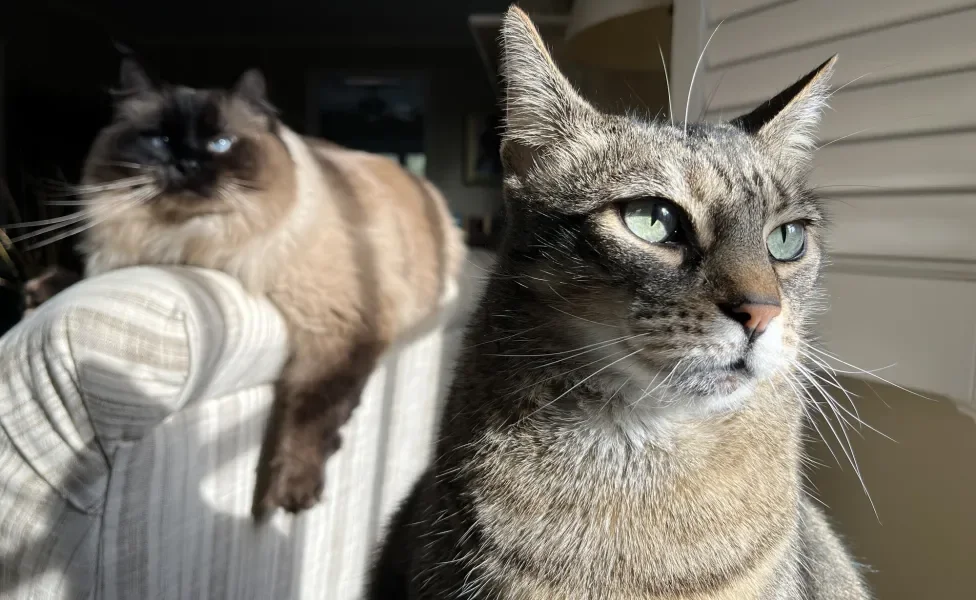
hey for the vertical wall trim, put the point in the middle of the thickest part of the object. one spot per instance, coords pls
(688, 29)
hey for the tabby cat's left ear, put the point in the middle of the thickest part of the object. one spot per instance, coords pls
(542, 108)
(786, 124)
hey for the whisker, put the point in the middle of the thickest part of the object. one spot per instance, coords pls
(667, 82)
(502, 339)
(849, 449)
(91, 222)
(91, 188)
(582, 381)
(72, 217)
(865, 372)
(695, 73)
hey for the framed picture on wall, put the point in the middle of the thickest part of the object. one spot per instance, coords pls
(482, 139)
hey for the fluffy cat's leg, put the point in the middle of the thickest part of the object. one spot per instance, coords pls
(313, 399)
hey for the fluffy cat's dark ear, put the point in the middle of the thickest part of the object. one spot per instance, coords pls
(787, 123)
(541, 105)
(251, 87)
(133, 78)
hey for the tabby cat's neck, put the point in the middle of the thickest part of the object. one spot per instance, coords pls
(590, 493)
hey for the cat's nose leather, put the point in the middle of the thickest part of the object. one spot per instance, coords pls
(189, 166)
(754, 316)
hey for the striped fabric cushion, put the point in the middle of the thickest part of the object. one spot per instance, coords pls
(131, 412)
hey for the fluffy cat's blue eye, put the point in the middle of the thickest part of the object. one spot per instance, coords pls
(787, 242)
(158, 141)
(220, 144)
(654, 221)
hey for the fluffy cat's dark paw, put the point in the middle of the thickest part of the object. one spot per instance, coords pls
(291, 483)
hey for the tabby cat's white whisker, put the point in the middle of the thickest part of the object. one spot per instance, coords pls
(568, 314)
(562, 374)
(865, 372)
(849, 449)
(584, 380)
(844, 137)
(806, 402)
(812, 378)
(667, 82)
(694, 73)
(565, 352)
(502, 339)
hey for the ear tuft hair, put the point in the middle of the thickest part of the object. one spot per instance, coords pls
(540, 103)
(787, 123)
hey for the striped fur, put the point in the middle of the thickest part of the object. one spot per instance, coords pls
(352, 249)
(613, 433)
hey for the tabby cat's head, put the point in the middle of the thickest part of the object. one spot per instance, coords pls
(184, 152)
(696, 247)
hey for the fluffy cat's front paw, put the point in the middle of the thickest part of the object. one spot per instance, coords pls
(292, 483)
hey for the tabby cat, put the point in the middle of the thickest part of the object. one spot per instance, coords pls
(352, 249)
(623, 423)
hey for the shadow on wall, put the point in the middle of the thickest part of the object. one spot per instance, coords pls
(924, 487)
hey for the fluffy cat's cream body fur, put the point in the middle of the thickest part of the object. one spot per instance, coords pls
(275, 257)
(355, 251)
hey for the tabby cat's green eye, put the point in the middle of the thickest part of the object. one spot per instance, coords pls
(787, 242)
(654, 221)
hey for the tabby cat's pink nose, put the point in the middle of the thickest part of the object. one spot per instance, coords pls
(753, 316)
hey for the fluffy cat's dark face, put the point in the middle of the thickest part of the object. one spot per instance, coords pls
(694, 251)
(191, 147)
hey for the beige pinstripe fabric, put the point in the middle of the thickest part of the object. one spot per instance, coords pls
(131, 413)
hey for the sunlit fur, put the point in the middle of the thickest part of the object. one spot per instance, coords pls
(353, 250)
(612, 432)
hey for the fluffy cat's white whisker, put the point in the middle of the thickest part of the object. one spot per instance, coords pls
(124, 164)
(72, 217)
(88, 224)
(117, 184)
(694, 73)
(114, 208)
(667, 82)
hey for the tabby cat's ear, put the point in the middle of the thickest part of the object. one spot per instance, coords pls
(541, 106)
(787, 123)
(133, 78)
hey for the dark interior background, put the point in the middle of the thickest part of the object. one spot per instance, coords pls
(59, 58)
